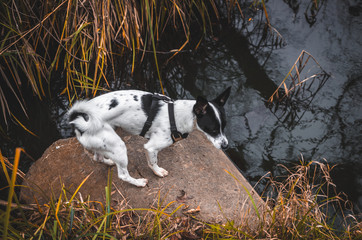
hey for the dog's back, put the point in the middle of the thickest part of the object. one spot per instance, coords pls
(127, 109)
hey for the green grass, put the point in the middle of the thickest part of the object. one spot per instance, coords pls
(300, 209)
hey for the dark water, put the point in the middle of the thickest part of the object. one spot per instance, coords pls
(327, 128)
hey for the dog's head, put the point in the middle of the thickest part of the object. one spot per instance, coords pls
(211, 118)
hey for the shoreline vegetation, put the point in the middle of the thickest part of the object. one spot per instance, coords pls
(84, 42)
(304, 205)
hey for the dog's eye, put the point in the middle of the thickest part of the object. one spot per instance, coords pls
(215, 132)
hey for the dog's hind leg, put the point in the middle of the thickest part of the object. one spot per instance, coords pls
(152, 157)
(118, 155)
(108, 161)
(123, 174)
(98, 157)
(121, 161)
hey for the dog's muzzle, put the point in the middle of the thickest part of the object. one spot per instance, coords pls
(224, 145)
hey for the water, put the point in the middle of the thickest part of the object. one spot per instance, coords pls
(328, 127)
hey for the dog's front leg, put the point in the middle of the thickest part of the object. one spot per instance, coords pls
(152, 157)
(152, 163)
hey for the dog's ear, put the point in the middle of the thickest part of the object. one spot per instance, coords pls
(223, 97)
(200, 106)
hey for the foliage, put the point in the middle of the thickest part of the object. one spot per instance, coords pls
(300, 209)
(305, 205)
(81, 40)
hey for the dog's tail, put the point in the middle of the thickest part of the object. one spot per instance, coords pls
(84, 118)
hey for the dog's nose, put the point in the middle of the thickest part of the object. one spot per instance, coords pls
(224, 145)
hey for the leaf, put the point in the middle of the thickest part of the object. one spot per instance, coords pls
(192, 211)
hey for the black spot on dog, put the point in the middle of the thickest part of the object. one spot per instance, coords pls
(113, 104)
(135, 98)
(146, 104)
(75, 115)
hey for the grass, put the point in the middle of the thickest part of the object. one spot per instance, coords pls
(299, 209)
(77, 44)
(83, 40)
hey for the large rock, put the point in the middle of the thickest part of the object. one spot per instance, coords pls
(196, 170)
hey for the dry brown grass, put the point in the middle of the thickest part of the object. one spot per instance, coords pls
(304, 206)
(81, 40)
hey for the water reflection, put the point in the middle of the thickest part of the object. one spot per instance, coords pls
(328, 126)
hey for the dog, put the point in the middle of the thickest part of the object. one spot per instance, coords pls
(94, 122)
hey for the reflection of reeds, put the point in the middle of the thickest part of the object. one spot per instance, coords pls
(81, 39)
(300, 209)
(312, 11)
(297, 90)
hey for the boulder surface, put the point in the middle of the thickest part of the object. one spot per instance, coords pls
(197, 177)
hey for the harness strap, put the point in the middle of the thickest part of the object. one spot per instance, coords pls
(175, 135)
(152, 114)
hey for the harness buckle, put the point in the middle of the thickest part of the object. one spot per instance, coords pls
(177, 136)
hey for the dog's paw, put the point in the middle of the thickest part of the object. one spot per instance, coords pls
(97, 157)
(161, 172)
(108, 161)
(141, 182)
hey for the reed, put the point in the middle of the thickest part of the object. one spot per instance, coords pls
(300, 208)
(303, 204)
(82, 40)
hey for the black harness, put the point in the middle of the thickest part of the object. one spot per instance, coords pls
(175, 135)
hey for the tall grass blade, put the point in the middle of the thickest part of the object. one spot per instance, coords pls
(57, 211)
(11, 189)
(108, 198)
(71, 219)
(150, 25)
(80, 185)
(25, 128)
